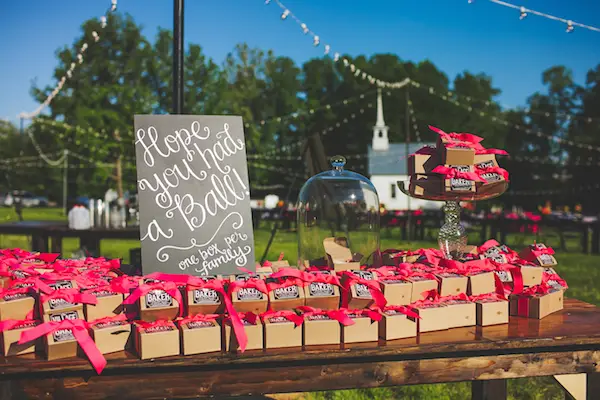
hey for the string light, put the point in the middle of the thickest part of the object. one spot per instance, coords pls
(556, 139)
(317, 41)
(69, 72)
(413, 118)
(525, 11)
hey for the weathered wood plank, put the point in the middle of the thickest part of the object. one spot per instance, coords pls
(162, 383)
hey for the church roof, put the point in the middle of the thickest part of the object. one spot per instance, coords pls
(393, 160)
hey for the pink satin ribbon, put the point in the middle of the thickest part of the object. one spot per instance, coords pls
(404, 310)
(168, 287)
(289, 315)
(373, 286)
(80, 332)
(106, 320)
(453, 136)
(70, 296)
(453, 173)
(493, 170)
(34, 282)
(198, 318)
(337, 315)
(10, 324)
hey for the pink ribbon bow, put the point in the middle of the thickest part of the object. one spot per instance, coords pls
(287, 314)
(10, 324)
(375, 315)
(80, 332)
(198, 318)
(453, 136)
(493, 170)
(70, 296)
(373, 286)
(337, 315)
(168, 287)
(488, 296)
(404, 310)
(453, 173)
(106, 320)
(34, 282)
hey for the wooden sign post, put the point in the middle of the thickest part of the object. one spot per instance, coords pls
(194, 194)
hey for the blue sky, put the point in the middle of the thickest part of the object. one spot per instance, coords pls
(455, 35)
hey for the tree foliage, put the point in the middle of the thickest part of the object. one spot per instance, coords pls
(282, 103)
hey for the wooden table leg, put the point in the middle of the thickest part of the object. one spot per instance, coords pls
(39, 242)
(56, 244)
(489, 390)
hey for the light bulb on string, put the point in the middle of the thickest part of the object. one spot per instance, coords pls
(523, 13)
(267, 2)
(113, 6)
(327, 49)
(304, 28)
(570, 26)
(285, 13)
(316, 41)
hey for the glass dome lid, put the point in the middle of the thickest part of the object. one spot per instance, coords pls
(337, 218)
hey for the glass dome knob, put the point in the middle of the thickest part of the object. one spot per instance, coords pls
(338, 162)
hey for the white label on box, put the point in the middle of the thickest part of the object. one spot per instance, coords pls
(200, 324)
(64, 315)
(103, 293)
(320, 289)
(56, 304)
(110, 324)
(546, 259)
(158, 298)
(61, 285)
(14, 296)
(362, 291)
(367, 275)
(460, 184)
(278, 320)
(549, 270)
(319, 317)
(63, 335)
(247, 294)
(158, 329)
(505, 276)
(205, 296)
(491, 177)
(284, 293)
(485, 164)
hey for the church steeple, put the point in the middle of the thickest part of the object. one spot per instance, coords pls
(380, 130)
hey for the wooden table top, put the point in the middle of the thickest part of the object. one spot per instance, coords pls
(575, 328)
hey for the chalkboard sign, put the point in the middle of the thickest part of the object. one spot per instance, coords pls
(194, 195)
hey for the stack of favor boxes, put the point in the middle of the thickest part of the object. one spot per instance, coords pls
(459, 164)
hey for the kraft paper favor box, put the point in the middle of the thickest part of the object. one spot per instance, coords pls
(532, 275)
(537, 306)
(253, 331)
(544, 257)
(277, 265)
(60, 344)
(485, 161)
(452, 284)
(421, 284)
(109, 304)
(320, 329)
(460, 184)
(481, 283)
(359, 295)
(51, 309)
(364, 329)
(17, 306)
(434, 317)
(494, 182)
(461, 313)
(496, 255)
(249, 299)
(198, 337)
(456, 155)
(396, 325)
(392, 259)
(156, 340)
(421, 185)
(10, 339)
(285, 298)
(398, 292)
(423, 161)
(280, 332)
(111, 336)
(204, 301)
(158, 305)
(322, 295)
(491, 312)
(339, 256)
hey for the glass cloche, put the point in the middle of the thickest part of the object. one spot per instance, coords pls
(337, 218)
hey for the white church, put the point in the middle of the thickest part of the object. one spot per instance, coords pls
(388, 165)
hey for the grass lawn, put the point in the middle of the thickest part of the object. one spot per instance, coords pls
(581, 271)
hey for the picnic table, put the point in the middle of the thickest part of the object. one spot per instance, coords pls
(565, 345)
(48, 235)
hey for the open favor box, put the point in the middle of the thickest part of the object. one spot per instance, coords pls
(339, 256)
